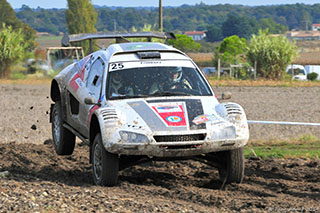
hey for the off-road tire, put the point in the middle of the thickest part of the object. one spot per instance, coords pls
(232, 166)
(63, 139)
(105, 165)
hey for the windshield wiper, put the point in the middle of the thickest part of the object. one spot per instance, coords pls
(170, 93)
(156, 94)
(129, 96)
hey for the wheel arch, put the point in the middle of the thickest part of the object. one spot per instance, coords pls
(55, 91)
(93, 131)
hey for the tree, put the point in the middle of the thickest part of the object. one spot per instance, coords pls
(184, 43)
(240, 26)
(12, 48)
(232, 49)
(179, 19)
(272, 26)
(272, 54)
(8, 17)
(81, 17)
(16, 39)
(214, 33)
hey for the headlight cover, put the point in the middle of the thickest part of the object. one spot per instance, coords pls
(224, 133)
(132, 137)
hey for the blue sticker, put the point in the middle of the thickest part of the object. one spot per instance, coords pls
(174, 119)
(102, 97)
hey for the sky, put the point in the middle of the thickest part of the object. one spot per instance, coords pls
(147, 3)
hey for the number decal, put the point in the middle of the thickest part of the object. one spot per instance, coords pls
(116, 66)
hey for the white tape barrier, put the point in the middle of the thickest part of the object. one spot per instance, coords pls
(284, 123)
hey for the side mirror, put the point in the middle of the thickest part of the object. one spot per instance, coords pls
(89, 101)
(226, 96)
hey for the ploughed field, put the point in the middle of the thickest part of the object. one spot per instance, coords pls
(39, 180)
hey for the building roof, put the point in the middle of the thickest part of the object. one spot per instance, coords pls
(305, 34)
(194, 32)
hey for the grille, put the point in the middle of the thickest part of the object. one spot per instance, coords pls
(233, 109)
(177, 138)
(109, 114)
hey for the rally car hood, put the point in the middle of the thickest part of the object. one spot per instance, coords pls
(169, 114)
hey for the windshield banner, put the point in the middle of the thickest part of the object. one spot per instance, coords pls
(114, 66)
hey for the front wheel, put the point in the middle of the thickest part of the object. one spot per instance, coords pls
(105, 165)
(232, 169)
(63, 139)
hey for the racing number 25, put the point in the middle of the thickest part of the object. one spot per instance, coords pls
(116, 66)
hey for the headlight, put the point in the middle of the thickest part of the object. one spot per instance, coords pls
(132, 137)
(224, 133)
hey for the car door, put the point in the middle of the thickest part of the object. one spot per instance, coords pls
(94, 86)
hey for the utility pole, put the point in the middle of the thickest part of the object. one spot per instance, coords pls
(160, 16)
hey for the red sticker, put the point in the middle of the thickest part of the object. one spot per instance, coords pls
(73, 83)
(172, 114)
(94, 108)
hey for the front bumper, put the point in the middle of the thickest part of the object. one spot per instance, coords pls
(176, 149)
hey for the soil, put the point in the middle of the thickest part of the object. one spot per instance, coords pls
(34, 179)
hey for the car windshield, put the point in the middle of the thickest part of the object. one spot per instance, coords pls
(296, 71)
(156, 82)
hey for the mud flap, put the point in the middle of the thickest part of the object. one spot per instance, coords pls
(51, 109)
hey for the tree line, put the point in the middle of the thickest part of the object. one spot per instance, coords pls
(217, 19)
(270, 54)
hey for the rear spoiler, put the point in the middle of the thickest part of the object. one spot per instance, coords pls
(67, 40)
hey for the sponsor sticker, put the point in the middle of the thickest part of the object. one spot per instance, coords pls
(174, 119)
(79, 82)
(172, 114)
(205, 118)
(168, 108)
(200, 119)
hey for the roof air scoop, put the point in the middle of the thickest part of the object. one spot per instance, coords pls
(149, 55)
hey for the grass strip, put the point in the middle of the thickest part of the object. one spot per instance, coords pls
(306, 146)
(261, 83)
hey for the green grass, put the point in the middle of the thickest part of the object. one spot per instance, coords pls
(48, 41)
(48, 38)
(17, 76)
(307, 146)
(226, 81)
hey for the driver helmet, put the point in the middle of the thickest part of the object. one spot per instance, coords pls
(116, 79)
(176, 74)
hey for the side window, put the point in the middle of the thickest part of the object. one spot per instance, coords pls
(95, 79)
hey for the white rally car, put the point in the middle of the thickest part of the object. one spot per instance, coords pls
(135, 101)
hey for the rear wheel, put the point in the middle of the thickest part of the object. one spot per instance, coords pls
(105, 165)
(63, 139)
(232, 169)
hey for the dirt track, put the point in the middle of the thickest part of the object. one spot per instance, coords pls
(39, 180)
(23, 106)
